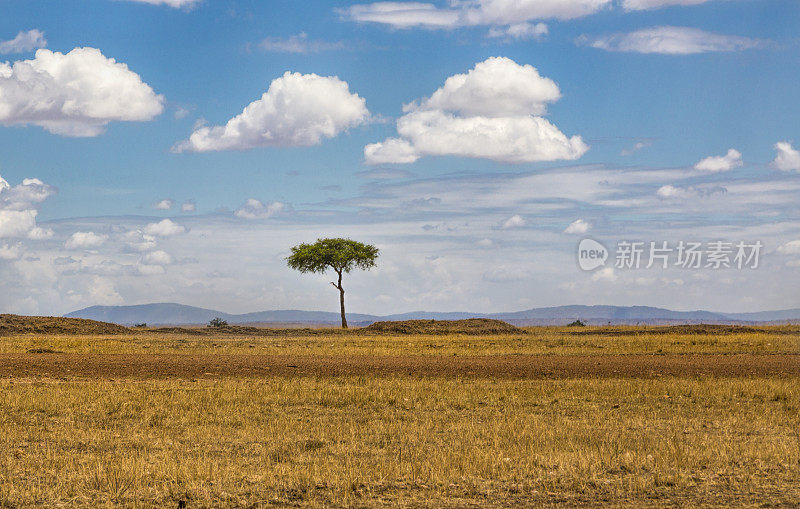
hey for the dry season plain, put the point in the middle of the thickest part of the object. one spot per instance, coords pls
(542, 416)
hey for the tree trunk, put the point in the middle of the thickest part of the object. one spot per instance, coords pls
(341, 302)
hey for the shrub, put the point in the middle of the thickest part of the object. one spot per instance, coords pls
(576, 323)
(218, 322)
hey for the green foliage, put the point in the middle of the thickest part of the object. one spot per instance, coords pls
(218, 322)
(341, 255)
(576, 323)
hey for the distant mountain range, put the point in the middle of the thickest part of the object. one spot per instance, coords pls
(179, 314)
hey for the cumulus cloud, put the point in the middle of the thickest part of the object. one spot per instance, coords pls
(74, 94)
(515, 221)
(671, 40)
(164, 204)
(299, 43)
(790, 248)
(157, 258)
(520, 31)
(163, 228)
(10, 252)
(85, 240)
(470, 13)
(492, 112)
(641, 5)
(24, 42)
(786, 158)
(18, 208)
(731, 160)
(189, 206)
(178, 4)
(255, 209)
(578, 226)
(298, 110)
(138, 241)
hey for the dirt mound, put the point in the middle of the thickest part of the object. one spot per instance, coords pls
(15, 324)
(472, 326)
(706, 329)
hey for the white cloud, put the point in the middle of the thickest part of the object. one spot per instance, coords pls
(163, 228)
(790, 248)
(485, 243)
(491, 112)
(578, 226)
(254, 209)
(76, 94)
(403, 14)
(40, 233)
(10, 252)
(515, 221)
(18, 208)
(496, 87)
(787, 158)
(85, 240)
(639, 145)
(671, 40)
(150, 270)
(189, 206)
(520, 31)
(178, 4)
(24, 42)
(299, 43)
(298, 110)
(470, 13)
(605, 274)
(157, 258)
(670, 191)
(164, 204)
(17, 223)
(138, 241)
(731, 160)
(641, 5)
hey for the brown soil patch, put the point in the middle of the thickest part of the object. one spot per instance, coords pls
(242, 330)
(15, 324)
(144, 366)
(472, 326)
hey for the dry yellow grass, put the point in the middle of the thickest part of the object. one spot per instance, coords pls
(344, 442)
(396, 440)
(549, 340)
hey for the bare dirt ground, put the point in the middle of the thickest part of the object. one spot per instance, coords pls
(160, 366)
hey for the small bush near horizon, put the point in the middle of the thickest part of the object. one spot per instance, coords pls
(217, 322)
(576, 323)
(140, 325)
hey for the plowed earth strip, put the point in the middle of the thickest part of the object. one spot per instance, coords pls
(148, 366)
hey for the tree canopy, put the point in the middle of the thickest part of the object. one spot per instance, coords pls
(341, 255)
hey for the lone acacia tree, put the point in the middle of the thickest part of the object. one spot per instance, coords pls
(341, 255)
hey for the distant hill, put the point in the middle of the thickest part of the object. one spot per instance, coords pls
(179, 314)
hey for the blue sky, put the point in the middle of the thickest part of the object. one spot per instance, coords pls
(645, 91)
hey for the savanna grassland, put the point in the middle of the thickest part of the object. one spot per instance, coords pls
(549, 416)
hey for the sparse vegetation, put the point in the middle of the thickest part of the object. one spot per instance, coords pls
(576, 323)
(217, 323)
